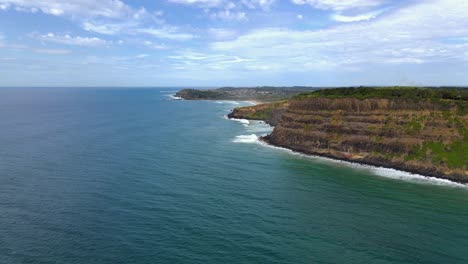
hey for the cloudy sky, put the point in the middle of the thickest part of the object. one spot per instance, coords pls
(226, 42)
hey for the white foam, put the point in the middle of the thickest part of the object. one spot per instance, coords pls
(242, 121)
(246, 139)
(262, 127)
(173, 97)
(176, 97)
(259, 127)
(378, 171)
(402, 175)
(228, 102)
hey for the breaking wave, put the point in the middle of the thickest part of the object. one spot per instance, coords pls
(378, 171)
(228, 102)
(244, 122)
(173, 97)
(246, 139)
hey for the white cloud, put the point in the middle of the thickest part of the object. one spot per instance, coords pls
(210, 61)
(356, 18)
(229, 15)
(104, 28)
(70, 40)
(200, 3)
(357, 8)
(414, 34)
(166, 33)
(226, 9)
(339, 5)
(76, 8)
(222, 33)
(108, 17)
(254, 4)
(226, 4)
(152, 45)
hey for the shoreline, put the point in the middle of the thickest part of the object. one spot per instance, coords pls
(263, 140)
(413, 173)
(420, 173)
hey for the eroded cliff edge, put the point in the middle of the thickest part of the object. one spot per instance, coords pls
(416, 130)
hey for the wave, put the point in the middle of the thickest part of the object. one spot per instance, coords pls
(259, 129)
(378, 171)
(228, 102)
(254, 126)
(259, 126)
(173, 97)
(246, 139)
(242, 121)
(403, 175)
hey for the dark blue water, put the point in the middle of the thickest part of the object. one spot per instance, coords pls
(127, 176)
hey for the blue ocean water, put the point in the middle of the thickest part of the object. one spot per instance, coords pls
(107, 175)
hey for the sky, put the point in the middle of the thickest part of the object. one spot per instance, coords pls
(233, 43)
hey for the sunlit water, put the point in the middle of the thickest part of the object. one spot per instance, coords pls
(128, 176)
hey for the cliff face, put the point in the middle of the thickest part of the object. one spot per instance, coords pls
(421, 136)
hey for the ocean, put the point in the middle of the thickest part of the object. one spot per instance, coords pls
(126, 175)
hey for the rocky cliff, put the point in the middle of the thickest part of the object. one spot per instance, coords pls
(420, 132)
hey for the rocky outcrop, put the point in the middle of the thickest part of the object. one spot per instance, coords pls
(270, 113)
(419, 135)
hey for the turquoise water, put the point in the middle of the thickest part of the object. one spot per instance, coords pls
(128, 176)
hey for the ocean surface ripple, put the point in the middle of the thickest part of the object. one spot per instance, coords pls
(107, 175)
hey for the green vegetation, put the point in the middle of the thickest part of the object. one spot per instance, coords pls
(453, 154)
(459, 94)
(257, 115)
(269, 94)
(414, 126)
(415, 129)
(261, 114)
(204, 94)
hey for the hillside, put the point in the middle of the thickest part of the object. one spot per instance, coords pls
(413, 129)
(264, 94)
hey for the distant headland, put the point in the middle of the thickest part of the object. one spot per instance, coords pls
(261, 94)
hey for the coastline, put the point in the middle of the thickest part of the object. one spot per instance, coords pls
(412, 173)
(264, 113)
(415, 173)
(255, 102)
